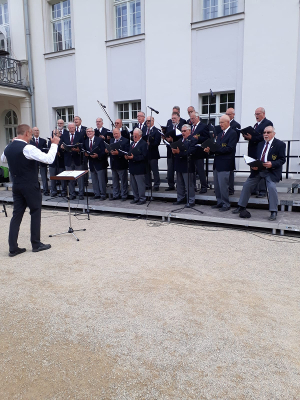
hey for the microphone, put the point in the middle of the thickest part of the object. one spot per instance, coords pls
(102, 105)
(157, 112)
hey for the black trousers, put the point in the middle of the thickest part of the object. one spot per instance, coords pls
(26, 195)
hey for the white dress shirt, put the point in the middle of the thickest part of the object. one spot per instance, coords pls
(33, 153)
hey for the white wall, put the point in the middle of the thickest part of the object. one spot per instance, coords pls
(270, 59)
(17, 29)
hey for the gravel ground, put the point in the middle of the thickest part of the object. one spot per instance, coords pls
(147, 310)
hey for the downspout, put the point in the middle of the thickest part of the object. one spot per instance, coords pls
(28, 48)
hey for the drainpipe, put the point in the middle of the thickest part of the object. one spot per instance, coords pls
(28, 48)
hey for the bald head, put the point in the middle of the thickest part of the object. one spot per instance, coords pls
(224, 122)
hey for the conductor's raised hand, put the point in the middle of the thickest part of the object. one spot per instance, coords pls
(55, 139)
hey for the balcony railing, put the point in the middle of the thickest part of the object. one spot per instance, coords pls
(12, 73)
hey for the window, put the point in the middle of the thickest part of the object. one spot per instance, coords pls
(10, 125)
(218, 106)
(128, 18)
(4, 27)
(61, 25)
(219, 8)
(128, 112)
(65, 113)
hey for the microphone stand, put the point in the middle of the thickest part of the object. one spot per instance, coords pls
(105, 112)
(188, 190)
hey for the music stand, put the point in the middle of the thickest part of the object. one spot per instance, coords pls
(69, 176)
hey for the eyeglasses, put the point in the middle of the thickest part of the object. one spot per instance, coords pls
(258, 113)
(268, 131)
(184, 130)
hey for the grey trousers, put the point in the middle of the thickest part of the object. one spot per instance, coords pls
(138, 186)
(251, 183)
(182, 184)
(55, 171)
(99, 182)
(80, 180)
(117, 176)
(171, 172)
(199, 164)
(221, 181)
(152, 165)
(43, 172)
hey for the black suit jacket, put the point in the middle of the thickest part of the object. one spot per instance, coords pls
(225, 155)
(258, 137)
(171, 132)
(96, 164)
(137, 166)
(72, 157)
(154, 139)
(276, 155)
(42, 145)
(118, 162)
(180, 159)
(181, 121)
(201, 133)
(104, 132)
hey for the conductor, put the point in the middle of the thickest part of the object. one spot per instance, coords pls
(23, 159)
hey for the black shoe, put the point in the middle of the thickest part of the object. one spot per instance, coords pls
(196, 189)
(260, 195)
(156, 189)
(238, 210)
(203, 190)
(95, 198)
(72, 197)
(169, 189)
(42, 247)
(16, 252)
(63, 195)
(273, 216)
(81, 197)
(102, 198)
(114, 198)
(46, 194)
(176, 203)
(217, 206)
(54, 194)
(231, 193)
(139, 203)
(224, 208)
(124, 199)
(134, 201)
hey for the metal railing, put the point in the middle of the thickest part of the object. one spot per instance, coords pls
(11, 73)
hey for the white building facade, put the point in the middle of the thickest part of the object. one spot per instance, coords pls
(130, 54)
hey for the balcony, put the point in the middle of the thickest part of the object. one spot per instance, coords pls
(13, 73)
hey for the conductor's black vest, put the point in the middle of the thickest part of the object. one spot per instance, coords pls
(22, 170)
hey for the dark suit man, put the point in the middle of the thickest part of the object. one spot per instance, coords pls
(102, 132)
(22, 159)
(119, 166)
(172, 136)
(272, 153)
(152, 136)
(57, 167)
(137, 167)
(185, 168)
(236, 126)
(73, 160)
(190, 110)
(201, 132)
(124, 132)
(261, 123)
(41, 144)
(176, 109)
(224, 162)
(97, 162)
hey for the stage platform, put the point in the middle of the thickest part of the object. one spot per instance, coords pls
(288, 219)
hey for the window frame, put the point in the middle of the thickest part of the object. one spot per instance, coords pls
(220, 9)
(67, 118)
(13, 126)
(5, 28)
(131, 120)
(61, 19)
(218, 113)
(130, 28)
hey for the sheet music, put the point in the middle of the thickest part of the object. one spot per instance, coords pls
(73, 174)
(248, 159)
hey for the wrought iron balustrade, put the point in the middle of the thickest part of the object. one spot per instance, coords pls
(11, 73)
